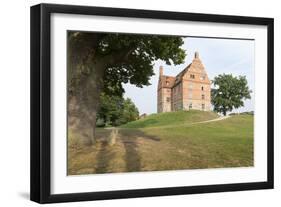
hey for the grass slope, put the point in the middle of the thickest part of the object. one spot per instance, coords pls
(224, 143)
(171, 119)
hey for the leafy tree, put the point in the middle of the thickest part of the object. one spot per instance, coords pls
(130, 112)
(115, 110)
(229, 92)
(111, 108)
(101, 62)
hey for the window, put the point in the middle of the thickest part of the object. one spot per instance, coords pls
(192, 76)
(190, 106)
(203, 96)
(202, 88)
(168, 99)
(203, 106)
(167, 83)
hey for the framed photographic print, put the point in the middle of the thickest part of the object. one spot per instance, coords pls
(133, 103)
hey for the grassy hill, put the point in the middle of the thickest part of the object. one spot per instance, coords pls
(224, 143)
(172, 119)
(174, 142)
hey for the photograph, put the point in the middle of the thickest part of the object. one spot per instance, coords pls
(129, 103)
(152, 102)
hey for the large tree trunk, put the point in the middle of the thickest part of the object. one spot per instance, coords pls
(85, 84)
(84, 105)
(83, 123)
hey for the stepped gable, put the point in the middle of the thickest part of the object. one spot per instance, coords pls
(196, 64)
(189, 89)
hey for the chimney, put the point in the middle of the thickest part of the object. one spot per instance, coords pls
(196, 55)
(161, 71)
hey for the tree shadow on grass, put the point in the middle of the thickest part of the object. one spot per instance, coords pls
(129, 138)
(104, 156)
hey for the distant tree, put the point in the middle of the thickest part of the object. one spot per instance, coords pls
(101, 62)
(229, 92)
(115, 110)
(130, 112)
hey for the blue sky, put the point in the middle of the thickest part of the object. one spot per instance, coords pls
(230, 56)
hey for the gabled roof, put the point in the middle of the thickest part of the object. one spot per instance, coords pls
(181, 74)
(170, 81)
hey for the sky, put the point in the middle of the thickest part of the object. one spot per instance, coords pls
(229, 56)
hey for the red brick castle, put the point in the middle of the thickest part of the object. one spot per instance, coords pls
(190, 89)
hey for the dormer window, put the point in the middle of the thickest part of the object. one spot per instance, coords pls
(192, 76)
(167, 83)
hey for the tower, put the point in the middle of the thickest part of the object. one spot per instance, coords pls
(164, 91)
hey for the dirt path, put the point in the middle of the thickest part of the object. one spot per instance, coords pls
(212, 120)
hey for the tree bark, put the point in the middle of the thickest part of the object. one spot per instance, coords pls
(84, 104)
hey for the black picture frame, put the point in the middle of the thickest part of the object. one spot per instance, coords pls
(41, 99)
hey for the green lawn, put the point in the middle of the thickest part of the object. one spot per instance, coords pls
(225, 143)
(159, 146)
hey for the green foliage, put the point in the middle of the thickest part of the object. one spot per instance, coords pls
(115, 110)
(119, 58)
(229, 92)
(129, 113)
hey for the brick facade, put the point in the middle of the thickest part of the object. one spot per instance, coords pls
(190, 89)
